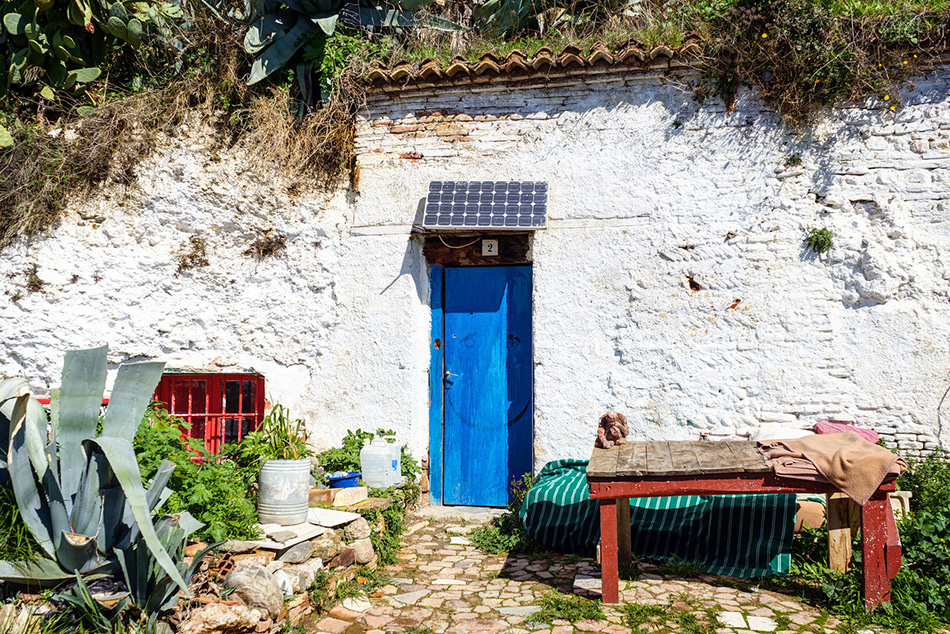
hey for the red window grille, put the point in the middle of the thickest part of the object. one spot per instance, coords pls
(221, 408)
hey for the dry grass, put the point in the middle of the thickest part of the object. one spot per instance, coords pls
(61, 157)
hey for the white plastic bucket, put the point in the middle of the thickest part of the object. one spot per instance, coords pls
(284, 494)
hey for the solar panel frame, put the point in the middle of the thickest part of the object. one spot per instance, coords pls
(497, 205)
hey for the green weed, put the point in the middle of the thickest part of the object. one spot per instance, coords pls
(18, 543)
(676, 567)
(506, 533)
(643, 618)
(919, 602)
(568, 607)
(366, 581)
(819, 240)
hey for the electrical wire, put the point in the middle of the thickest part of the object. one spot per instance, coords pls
(460, 246)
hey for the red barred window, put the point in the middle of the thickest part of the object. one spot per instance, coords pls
(221, 408)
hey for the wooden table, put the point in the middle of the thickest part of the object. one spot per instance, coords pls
(668, 468)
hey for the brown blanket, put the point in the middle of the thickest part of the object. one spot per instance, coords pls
(846, 460)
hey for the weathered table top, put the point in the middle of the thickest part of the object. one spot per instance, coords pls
(675, 458)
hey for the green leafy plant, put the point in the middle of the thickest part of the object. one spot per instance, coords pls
(276, 438)
(200, 480)
(928, 480)
(819, 240)
(347, 457)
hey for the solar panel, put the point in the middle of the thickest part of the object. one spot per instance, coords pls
(512, 205)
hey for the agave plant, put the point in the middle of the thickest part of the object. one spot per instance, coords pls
(80, 492)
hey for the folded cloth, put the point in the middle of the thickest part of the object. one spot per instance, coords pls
(855, 466)
(837, 427)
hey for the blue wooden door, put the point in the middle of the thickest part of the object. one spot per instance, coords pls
(487, 386)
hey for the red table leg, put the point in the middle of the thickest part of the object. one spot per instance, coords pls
(609, 571)
(877, 584)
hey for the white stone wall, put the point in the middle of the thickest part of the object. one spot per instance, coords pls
(649, 190)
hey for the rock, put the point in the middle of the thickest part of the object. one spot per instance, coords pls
(192, 549)
(345, 558)
(297, 554)
(261, 557)
(236, 546)
(370, 504)
(264, 626)
(327, 546)
(363, 551)
(257, 587)
(281, 536)
(358, 529)
(284, 582)
(274, 566)
(356, 604)
(302, 575)
(349, 496)
(218, 618)
(161, 627)
(320, 496)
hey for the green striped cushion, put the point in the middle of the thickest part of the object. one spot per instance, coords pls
(737, 535)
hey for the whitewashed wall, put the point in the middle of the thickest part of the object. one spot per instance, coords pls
(649, 189)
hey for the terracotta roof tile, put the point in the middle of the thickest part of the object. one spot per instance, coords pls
(458, 66)
(488, 63)
(661, 51)
(599, 52)
(517, 64)
(430, 69)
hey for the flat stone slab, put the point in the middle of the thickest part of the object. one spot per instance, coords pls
(370, 504)
(302, 533)
(409, 598)
(732, 619)
(587, 582)
(357, 604)
(761, 623)
(330, 518)
(521, 610)
(449, 582)
(459, 541)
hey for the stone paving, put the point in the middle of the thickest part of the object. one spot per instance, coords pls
(444, 585)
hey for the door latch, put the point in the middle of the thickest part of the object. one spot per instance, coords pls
(448, 374)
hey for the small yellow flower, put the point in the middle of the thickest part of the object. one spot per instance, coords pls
(887, 97)
(893, 107)
(915, 56)
(905, 61)
(765, 35)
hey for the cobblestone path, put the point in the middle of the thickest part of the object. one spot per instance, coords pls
(444, 585)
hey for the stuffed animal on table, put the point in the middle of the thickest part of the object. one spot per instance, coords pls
(612, 430)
